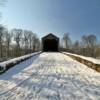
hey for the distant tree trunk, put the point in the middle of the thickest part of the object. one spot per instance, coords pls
(17, 33)
(1, 49)
(2, 29)
(67, 40)
(8, 45)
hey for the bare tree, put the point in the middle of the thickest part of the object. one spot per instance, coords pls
(2, 2)
(92, 44)
(25, 39)
(89, 43)
(35, 43)
(31, 35)
(89, 40)
(17, 42)
(97, 51)
(67, 40)
(17, 34)
(76, 47)
(92, 40)
(2, 29)
(8, 39)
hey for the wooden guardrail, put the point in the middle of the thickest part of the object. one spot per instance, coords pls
(85, 60)
(10, 63)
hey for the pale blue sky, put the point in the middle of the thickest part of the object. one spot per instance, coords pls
(78, 17)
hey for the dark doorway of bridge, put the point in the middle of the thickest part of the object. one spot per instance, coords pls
(50, 45)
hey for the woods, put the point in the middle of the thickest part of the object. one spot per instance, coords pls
(87, 46)
(17, 42)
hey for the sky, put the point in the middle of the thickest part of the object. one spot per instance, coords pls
(78, 17)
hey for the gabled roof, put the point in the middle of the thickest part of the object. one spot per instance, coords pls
(50, 36)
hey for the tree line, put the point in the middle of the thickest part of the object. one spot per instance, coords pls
(17, 42)
(87, 46)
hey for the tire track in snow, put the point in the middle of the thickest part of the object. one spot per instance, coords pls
(32, 74)
(55, 79)
(15, 88)
(83, 77)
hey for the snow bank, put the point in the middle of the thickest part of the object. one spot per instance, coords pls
(91, 62)
(8, 64)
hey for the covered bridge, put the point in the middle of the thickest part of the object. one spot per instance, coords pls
(50, 42)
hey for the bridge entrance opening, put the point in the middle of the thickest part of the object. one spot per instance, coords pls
(50, 43)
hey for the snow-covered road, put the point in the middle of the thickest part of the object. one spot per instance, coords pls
(50, 76)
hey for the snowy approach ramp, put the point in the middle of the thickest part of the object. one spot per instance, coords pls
(50, 76)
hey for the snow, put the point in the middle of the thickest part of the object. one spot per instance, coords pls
(4, 64)
(93, 60)
(50, 76)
